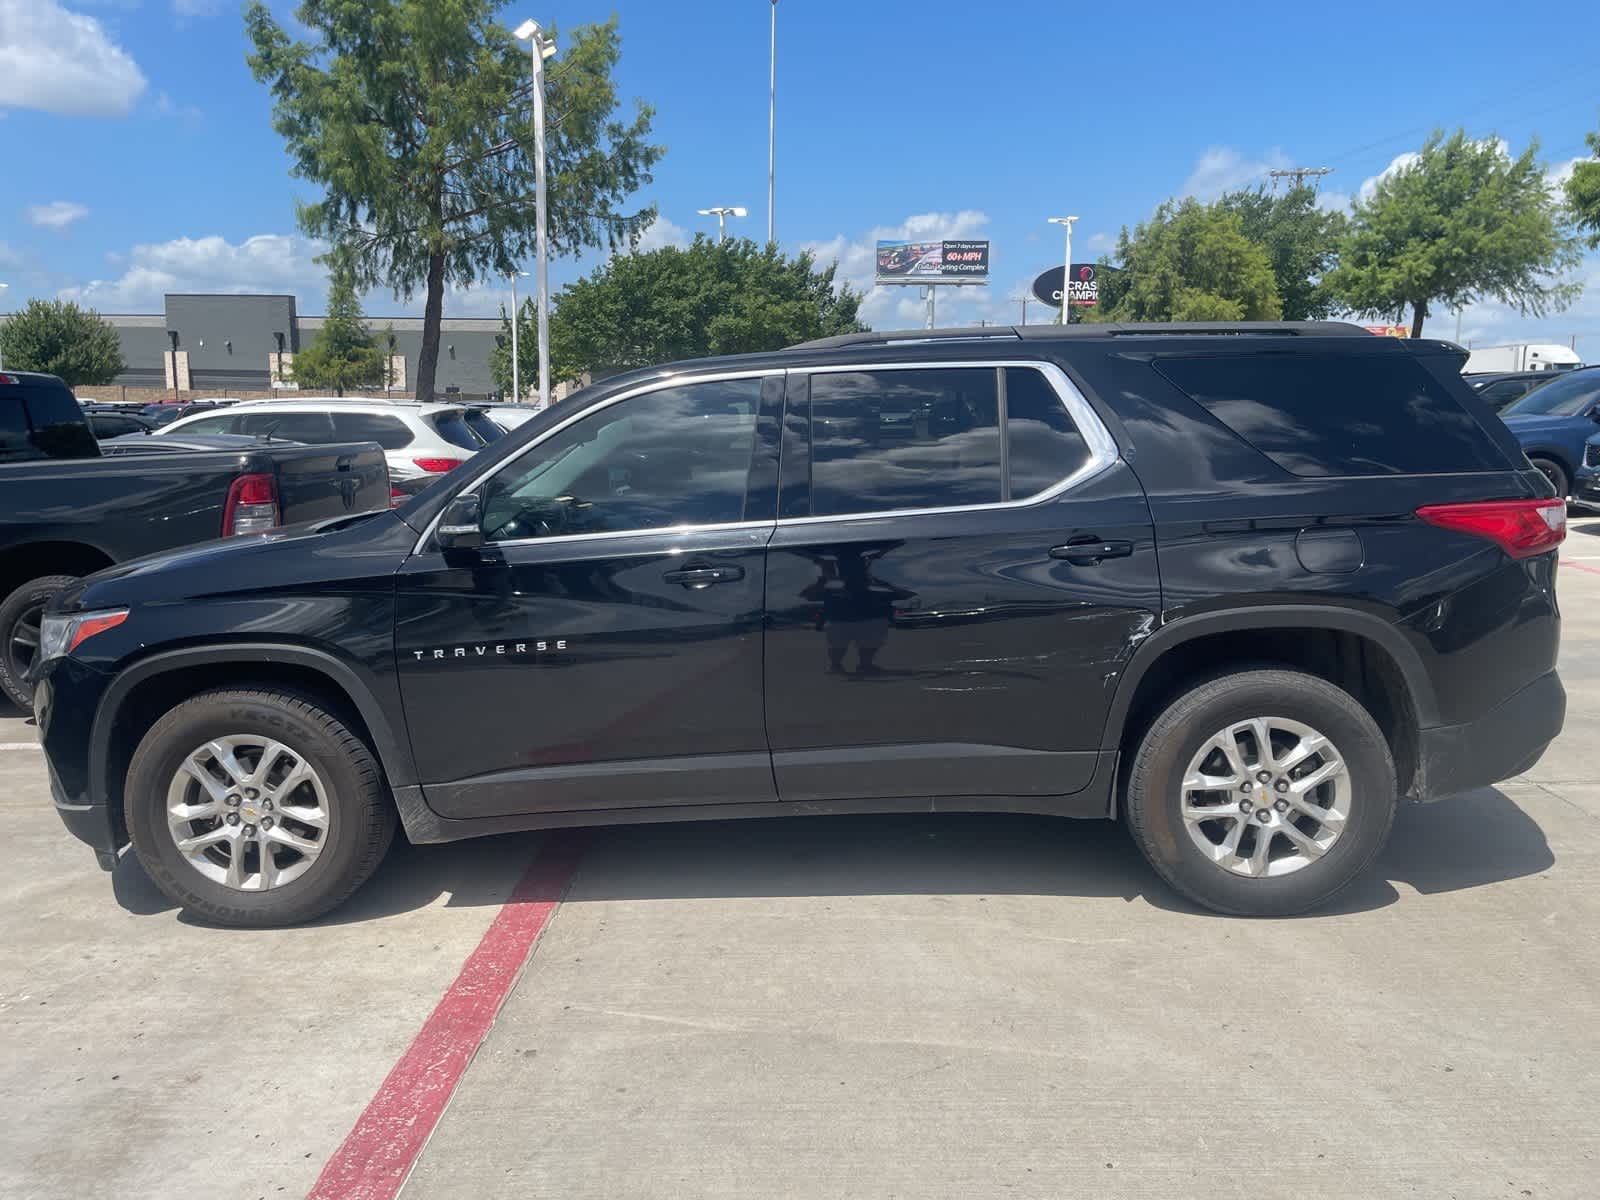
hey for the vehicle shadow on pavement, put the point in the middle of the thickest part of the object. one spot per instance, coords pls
(1466, 842)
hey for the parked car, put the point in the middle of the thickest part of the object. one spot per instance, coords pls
(168, 412)
(512, 416)
(67, 511)
(713, 590)
(420, 441)
(1553, 422)
(105, 424)
(1500, 390)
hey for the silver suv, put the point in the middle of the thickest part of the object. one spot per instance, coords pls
(420, 441)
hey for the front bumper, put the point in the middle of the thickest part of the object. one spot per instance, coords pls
(64, 702)
(1505, 741)
(1586, 485)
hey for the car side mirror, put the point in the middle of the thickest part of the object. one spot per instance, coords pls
(461, 524)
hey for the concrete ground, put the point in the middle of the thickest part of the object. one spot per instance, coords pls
(914, 1007)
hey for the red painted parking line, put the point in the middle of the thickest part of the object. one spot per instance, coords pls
(1578, 566)
(379, 1152)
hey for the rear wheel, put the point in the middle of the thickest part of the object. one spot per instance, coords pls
(1556, 474)
(1262, 793)
(19, 633)
(256, 808)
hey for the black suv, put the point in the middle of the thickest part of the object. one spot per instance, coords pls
(1245, 585)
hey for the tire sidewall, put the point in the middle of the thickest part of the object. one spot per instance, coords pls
(150, 775)
(35, 593)
(1204, 712)
(1547, 465)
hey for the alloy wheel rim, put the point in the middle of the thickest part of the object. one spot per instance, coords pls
(248, 812)
(25, 638)
(1266, 796)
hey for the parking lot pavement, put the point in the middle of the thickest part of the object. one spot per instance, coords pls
(147, 1056)
(918, 1007)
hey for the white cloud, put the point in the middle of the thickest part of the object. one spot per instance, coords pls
(1398, 163)
(63, 62)
(188, 114)
(268, 262)
(1556, 177)
(1224, 169)
(663, 232)
(1099, 243)
(58, 214)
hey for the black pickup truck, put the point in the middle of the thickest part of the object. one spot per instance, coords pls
(67, 511)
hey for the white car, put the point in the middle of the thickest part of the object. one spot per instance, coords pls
(509, 416)
(420, 441)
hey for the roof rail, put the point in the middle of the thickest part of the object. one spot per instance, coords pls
(1125, 329)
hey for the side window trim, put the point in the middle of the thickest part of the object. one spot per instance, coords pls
(425, 541)
(1102, 446)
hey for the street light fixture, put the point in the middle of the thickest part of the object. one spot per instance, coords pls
(516, 359)
(1066, 270)
(539, 49)
(722, 214)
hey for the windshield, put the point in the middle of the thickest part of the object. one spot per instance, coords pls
(1565, 397)
(453, 428)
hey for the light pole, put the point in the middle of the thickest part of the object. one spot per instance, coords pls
(1066, 270)
(539, 49)
(516, 359)
(772, 117)
(3, 287)
(722, 214)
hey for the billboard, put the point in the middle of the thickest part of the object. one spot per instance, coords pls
(1085, 285)
(933, 262)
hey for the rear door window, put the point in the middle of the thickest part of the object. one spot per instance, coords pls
(57, 425)
(311, 427)
(1566, 397)
(888, 440)
(210, 425)
(14, 441)
(389, 432)
(1338, 414)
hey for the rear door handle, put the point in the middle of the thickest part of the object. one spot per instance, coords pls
(696, 578)
(1090, 551)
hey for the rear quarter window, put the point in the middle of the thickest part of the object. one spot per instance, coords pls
(389, 432)
(1338, 414)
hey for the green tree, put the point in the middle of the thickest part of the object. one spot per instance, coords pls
(1463, 222)
(642, 309)
(59, 338)
(527, 350)
(344, 354)
(1301, 241)
(414, 117)
(1188, 262)
(1583, 193)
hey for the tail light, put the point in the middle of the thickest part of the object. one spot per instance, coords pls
(1521, 528)
(397, 496)
(252, 505)
(437, 466)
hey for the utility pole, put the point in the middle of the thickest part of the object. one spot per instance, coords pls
(1024, 300)
(772, 118)
(1299, 174)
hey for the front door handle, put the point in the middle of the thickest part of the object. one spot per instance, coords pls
(1088, 551)
(696, 578)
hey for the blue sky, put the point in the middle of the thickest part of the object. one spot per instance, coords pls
(140, 156)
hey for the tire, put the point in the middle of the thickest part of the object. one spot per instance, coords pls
(1556, 474)
(19, 633)
(1290, 879)
(344, 786)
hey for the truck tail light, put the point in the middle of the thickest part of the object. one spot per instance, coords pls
(252, 505)
(1521, 528)
(437, 466)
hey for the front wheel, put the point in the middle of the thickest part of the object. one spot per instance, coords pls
(256, 808)
(19, 634)
(1262, 793)
(1556, 474)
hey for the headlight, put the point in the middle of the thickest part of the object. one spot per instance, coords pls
(62, 633)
